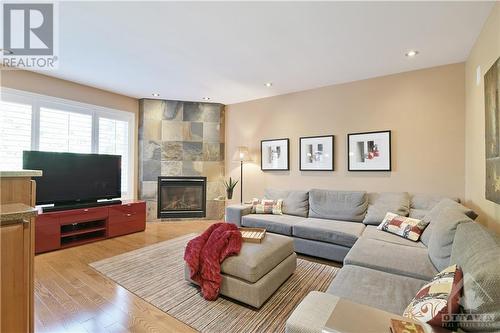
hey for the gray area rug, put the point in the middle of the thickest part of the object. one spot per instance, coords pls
(156, 274)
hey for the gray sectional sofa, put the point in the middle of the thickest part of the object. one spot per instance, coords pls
(380, 269)
(327, 224)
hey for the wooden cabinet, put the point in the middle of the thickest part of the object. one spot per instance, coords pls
(17, 218)
(16, 277)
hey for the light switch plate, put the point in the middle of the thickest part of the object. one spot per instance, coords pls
(478, 75)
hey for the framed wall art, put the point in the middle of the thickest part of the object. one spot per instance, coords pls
(275, 155)
(492, 133)
(369, 151)
(316, 153)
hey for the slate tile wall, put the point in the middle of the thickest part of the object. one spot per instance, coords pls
(181, 139)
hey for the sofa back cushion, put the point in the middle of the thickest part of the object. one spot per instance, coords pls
(294, 202)
(436, 211)
(477, 251)
(422, 203)
(443, 233)
(338, 205)
(379, 204)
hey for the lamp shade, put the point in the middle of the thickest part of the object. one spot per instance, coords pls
(242, 154)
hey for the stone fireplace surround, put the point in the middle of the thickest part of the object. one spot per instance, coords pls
(181, 139)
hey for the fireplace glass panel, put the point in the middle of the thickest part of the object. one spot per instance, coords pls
(182, 198)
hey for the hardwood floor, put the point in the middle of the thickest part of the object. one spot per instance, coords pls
(71, 297)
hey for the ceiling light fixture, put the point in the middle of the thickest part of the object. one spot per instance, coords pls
(206, 98)
(155, 95)
(411, 53)
(269, 84)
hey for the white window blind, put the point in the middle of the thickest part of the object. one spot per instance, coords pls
(15, 134)
(37, 122)
(113, 139)
(65, 131)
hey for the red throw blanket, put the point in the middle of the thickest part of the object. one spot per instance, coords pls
(205, 253)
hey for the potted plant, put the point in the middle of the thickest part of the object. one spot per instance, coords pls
(230, 185)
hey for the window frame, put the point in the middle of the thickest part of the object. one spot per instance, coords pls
(38, 101)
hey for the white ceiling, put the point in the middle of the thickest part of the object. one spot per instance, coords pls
(228, 50)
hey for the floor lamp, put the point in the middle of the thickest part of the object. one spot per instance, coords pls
(241, 155)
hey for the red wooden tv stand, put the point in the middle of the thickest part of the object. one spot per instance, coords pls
(62, 229)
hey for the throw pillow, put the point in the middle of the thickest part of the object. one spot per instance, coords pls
(437, 299)
(405, 227)
(267, 206)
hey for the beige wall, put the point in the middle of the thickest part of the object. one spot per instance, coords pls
(484, 53)
(424, 109)
(46, 85)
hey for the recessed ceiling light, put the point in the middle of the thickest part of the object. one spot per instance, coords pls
(206, 98)
(411, 53)
(269, 84)
(155, 95)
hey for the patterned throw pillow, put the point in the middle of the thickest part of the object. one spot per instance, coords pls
(438, 299)
(405, 227)
(267, 206)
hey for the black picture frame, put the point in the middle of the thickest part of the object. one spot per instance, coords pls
(350, 135)
(331, 154)
(287, 155)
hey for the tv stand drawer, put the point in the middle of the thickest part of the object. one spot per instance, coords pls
(127, 209)
(83, 215)
(127, 218)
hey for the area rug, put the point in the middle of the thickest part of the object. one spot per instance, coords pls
(156, 274)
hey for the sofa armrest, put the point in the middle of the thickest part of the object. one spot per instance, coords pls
(311, 315)
(326, 313)
(234, 213)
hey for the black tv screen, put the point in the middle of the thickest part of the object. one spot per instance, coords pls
(71, 177)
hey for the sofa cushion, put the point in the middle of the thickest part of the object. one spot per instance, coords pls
(380, 204)
(389, 292)
(443, 233)
(425, 201)
(372, 232)
(477, 251)
(436, 210)
(391, 258)
(338, 205)
(417, 213)
(279, 224)
(294, 202)
(256, 260)
(403, 226)
(330, 231)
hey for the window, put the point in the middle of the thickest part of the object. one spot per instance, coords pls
(113, 139)
(15, 134)
(36, 122)
(65, 131)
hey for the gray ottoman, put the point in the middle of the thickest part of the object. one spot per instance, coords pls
(258, 271)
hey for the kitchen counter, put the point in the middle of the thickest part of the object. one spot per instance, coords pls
(20, 173)
(16, 213)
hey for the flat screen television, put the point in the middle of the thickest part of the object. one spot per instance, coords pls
(70, 178)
